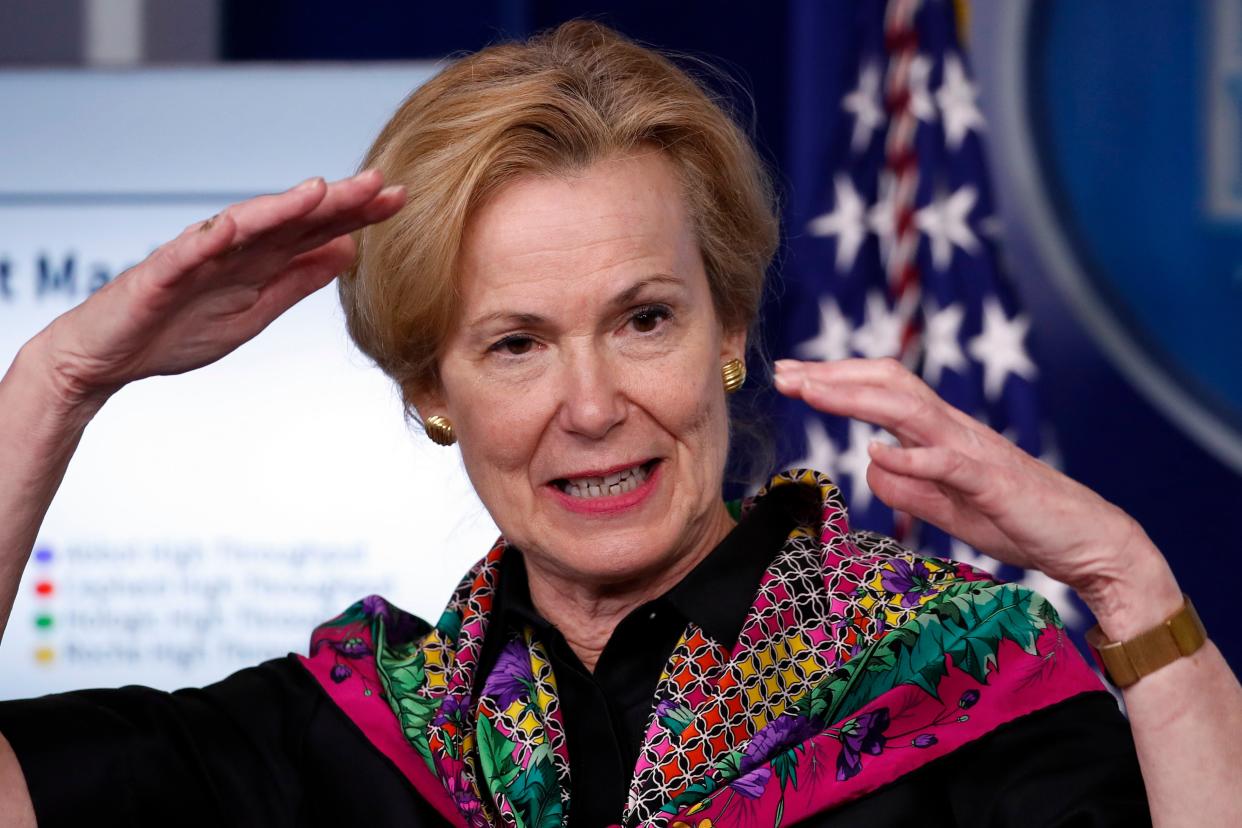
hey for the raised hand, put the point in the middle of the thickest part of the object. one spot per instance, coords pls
(215, 286)
(956, 473)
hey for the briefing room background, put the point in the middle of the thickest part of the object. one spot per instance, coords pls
(1110, 151)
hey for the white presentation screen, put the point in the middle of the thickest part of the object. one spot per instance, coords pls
(210, 520)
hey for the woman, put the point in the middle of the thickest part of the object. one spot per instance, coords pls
(562, 281)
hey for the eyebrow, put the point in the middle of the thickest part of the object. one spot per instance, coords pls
(625, 297)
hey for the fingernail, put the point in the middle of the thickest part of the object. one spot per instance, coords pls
(789, 366)
(392, 189)
(785, 381)
(308, 183)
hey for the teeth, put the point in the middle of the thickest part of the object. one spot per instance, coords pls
(611, 485)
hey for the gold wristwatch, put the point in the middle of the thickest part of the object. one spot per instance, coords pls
(1125, 662)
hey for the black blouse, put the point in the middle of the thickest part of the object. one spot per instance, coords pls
(267, 747)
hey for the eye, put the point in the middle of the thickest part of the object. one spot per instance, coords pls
(646, 320)
(515, 345)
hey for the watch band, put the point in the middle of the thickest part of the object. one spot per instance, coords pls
(1125, 662)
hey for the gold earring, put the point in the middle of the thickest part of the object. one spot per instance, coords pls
(440, 430)
(734, 374)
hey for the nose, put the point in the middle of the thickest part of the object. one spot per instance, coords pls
(591, 400)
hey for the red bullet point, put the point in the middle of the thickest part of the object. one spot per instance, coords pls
(44, 587)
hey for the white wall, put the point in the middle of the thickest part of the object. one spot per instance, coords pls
(209, 520)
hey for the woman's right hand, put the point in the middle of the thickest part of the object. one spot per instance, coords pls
(215, 286)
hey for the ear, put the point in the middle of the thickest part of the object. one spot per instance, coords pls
(426, 401)
(733, 346)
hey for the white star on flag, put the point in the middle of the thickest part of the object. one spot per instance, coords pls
(956, 97)
(945, 223)
(940, 339)
(921, 103)
(880, 335)
(833, 340)
(864, 103)
(855, 460)
(846, 222)
(999, 348)
(821, 454)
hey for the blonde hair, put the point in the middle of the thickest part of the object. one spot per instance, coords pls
(556, 103)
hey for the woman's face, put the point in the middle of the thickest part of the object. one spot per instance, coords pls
(582, 377)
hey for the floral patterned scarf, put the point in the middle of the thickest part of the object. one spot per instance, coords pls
(857, 663)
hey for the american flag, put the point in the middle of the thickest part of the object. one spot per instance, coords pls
(893, 240)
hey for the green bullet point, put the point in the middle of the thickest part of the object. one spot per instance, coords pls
(43, 622)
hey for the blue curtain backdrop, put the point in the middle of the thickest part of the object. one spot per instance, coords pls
(791, 59)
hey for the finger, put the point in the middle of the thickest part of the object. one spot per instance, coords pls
(257, 258)
(920, 498)
(883, 373)
(384, 205)
(883, 370)
(935, 464)
(198, 244)
(341, 199)
(306, 274)
(347, 194)
(348, 205)
(914, 420)
(879, 373)
(262, 214)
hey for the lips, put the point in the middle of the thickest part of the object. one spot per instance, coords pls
(616, 482)
(607, 492)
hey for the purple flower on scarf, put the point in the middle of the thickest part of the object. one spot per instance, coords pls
(781, 733)
(374, 605)
(910, 582)
(340, 672)
(924, 740)
(862, 734)
(399, 627)
(968, 699)
(468, 805)
(451, 709)
(511, 678)
(751, 785)
(353, 647)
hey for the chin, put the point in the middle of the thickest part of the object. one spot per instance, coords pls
(597, 554)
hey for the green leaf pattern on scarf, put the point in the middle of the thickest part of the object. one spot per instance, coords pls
(967, 621)
(401, 671)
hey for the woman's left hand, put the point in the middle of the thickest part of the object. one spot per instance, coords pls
(956, 473)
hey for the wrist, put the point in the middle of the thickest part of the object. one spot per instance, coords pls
(72, 395)
(62, 402)
(1137, 592)
(1126, 662)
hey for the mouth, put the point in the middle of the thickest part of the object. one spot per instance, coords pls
(611, 484)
